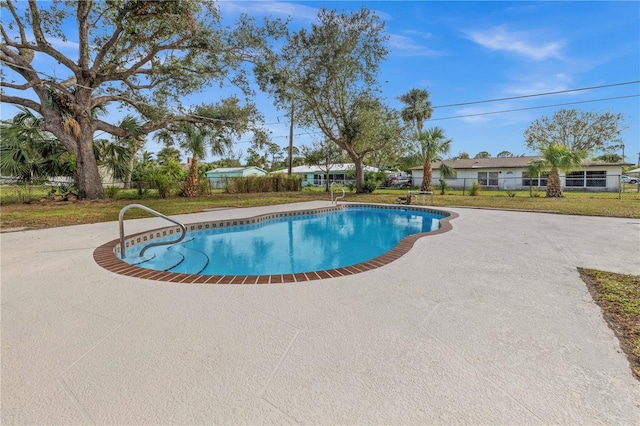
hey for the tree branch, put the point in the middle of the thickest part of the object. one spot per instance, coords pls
(27, 103)
(82, 14)
(101, 100)
(17, 64)
(42, 44)
(23, 35)
(105, 49)
(110, 128)
(25, 86)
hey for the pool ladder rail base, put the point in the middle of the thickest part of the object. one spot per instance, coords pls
(336, 185)
(183, 229)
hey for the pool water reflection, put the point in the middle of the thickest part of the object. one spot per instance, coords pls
(289, 245)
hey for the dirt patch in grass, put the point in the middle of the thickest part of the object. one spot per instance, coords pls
(619, 297)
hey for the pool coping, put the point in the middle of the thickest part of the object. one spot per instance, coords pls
(105, 255)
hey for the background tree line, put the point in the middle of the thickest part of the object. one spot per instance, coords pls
(146, 56)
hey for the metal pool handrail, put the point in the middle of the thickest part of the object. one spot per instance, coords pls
(155, 213)
(337, 198)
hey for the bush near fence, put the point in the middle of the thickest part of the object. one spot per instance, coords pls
(251, 184)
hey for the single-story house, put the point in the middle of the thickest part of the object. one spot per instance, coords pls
(634, 172)
(218, 177)
(508, 173)
(315, 175)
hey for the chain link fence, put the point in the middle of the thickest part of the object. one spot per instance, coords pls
(576, 181)
(13, 192)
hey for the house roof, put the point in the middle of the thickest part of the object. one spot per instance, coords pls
(334, 168)
(503, 163)
(234, 169)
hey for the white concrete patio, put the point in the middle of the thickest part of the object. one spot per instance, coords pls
(486, 324)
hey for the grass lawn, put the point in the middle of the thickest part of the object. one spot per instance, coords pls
(618, 295)
(47, 214)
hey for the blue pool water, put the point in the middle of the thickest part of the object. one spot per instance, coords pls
(288, 245)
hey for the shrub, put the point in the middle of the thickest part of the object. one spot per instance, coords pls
(164, 184)
(203, 186)
(369, 186)
(443, 187)
(475, 189)
(511, 193)
(111, 191)
(371, 181)
(277, 183)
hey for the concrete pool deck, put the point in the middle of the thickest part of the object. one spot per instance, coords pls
(488, 323)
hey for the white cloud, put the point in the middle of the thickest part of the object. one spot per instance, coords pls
(418, 33)
(474, 114)
(405, 46)
(535, 84)
(295, 11)
(518, 42)
(63, 44)
(496, 113)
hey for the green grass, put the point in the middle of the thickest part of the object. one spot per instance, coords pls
(52, 214)
(619, 297)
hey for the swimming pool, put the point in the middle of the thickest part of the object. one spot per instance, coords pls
(292, 246)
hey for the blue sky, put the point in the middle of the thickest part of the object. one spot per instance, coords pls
(473, 51)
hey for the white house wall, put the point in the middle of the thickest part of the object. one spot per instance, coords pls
(465, 178)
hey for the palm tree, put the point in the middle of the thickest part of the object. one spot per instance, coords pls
(28, 153)
(556, 157)
(417, 107)
(432, 145)
(194, 142)
(114, 156)
(134, 143)
(195, 139)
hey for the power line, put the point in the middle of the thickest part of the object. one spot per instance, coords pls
(480, 114)
(537, 94)
(535, 107)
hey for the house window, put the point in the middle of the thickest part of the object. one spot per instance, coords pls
(488, 178)
(574, 179)
(482, 178)
(596, 179)
(586, 179)
(541, 180)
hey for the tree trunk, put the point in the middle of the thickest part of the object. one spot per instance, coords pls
(191, 186)
(88, 177)
(127, 181)
(290, 164)
(359, 174)
(426, 175)
(554, 187)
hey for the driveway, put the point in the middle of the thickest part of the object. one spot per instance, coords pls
(488, 323)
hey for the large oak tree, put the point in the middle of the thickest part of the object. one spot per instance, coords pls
(142, 55)
(576, 130)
